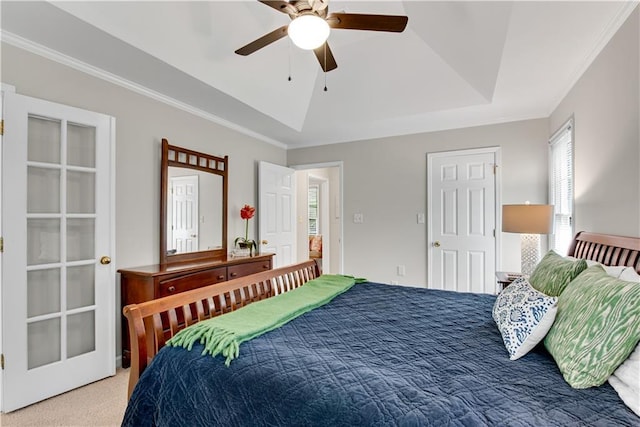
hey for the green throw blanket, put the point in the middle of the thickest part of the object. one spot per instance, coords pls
(224, 334)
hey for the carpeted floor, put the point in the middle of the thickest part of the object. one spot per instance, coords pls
(98, 404)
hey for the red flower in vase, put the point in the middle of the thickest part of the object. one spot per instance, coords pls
(247, 212)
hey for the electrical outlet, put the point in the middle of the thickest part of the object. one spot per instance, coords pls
(401, 270)
(358, 218)
(420, 218)
(394, 282)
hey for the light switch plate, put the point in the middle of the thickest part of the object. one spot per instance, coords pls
(358, 218)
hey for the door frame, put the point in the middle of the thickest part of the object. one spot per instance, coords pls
(339, 202)
(497, 152)
(5, 89)
(324, 223)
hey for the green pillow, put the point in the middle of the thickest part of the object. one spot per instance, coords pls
(554, 273)
(597, 326)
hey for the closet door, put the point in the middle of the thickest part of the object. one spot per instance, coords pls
(58, 282)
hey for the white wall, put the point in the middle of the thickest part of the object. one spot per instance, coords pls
(141, 123)
(606, 105)
(385, 179)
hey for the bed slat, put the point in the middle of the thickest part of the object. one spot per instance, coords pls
(607, 249)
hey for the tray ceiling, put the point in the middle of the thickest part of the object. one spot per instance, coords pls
(457, 64)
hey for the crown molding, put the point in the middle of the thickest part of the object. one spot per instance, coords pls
(53, 55)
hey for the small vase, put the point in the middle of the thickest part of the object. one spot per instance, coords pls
(243, 249)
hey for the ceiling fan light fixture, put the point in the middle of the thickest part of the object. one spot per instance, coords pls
(308, 31)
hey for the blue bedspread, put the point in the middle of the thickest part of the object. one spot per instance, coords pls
(377, 355)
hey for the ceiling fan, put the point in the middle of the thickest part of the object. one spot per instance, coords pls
(310, 19)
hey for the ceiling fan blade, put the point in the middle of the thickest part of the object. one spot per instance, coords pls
(356, 21)
(280, 6)
(325, 57)
(263, 41)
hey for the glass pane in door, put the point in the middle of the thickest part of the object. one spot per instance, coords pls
(80, 286)
(43, 241)
(81, 192)
(43, 190)
(81, 333)
(43, 341)
(81, 145)
(80, 239)
(43, 292)
(43, 140)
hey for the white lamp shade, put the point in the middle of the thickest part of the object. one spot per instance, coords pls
(529, 219)
(308, 31)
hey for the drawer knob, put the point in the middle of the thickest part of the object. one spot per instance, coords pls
(220, 277)
(171, 288)
(234, 274)
(266, 266)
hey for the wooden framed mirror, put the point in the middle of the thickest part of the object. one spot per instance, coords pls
(193, 205)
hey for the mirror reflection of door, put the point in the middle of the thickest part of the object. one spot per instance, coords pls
(183, 221)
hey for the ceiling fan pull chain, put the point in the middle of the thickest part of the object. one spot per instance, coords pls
(325, 66)
(289, 79)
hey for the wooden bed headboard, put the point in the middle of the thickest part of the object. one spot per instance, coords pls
(607, 249)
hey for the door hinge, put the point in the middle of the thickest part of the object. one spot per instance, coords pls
(495, 168)
(1, 127)
(2, 361)
(1, 244)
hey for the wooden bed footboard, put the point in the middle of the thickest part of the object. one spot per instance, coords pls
(152, 323)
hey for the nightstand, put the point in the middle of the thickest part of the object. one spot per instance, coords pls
(505, 278)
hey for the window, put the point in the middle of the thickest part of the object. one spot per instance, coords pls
(313, 209)
(561, 187)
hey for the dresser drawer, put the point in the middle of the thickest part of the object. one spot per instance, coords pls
(191, 281)
(235, 271)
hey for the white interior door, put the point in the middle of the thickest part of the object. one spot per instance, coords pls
(183, 221)
(277, 212)
(462, 221)
(58, 285)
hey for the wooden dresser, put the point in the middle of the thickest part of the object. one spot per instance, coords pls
(150, 282)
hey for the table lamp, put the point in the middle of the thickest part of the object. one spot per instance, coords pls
(530, 221)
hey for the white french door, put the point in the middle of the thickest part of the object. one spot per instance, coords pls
(276, 212)
(58, 282)
(462, 213)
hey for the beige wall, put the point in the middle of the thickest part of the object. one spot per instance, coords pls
(606, 105)
(385, 179)
(140, 124)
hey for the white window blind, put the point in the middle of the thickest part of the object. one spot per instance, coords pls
(313, 209)
(561, 187)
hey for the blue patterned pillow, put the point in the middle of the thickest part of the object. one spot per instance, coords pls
(524, 316)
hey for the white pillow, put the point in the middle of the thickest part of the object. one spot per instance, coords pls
(626, 381)
(612, 270)
(524, 316)
(630, 275)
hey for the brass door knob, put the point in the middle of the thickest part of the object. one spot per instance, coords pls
(436, 244)
(105, 260)
(264, 242)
